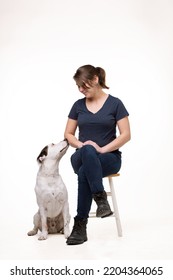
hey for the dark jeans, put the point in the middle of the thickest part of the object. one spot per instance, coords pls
(91, 167)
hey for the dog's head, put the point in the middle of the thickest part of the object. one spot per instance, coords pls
(53, 151)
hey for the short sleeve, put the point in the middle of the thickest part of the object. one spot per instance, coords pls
(121, 112)
(73, 112)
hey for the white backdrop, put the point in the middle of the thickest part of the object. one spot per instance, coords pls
(42, 43)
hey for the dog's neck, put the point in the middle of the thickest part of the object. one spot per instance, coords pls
(49, 168)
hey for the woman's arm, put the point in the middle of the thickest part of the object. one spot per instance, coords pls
(69, 134)
(124, 137)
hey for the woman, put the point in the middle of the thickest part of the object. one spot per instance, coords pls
(97, 149)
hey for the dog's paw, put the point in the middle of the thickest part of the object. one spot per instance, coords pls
(42, 236)
(32, 232)
(66, 232)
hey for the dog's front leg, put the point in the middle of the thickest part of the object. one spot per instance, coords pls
(44, 231)
(66, 216)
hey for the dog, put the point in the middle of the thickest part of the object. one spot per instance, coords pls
(52, 198)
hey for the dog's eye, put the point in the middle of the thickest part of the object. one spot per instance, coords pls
(53, 144)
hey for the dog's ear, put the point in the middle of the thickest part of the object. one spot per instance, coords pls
(42, 154)
(40, 159)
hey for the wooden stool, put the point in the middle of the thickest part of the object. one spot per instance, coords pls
(111, 193)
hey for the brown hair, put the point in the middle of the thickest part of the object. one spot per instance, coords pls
(86, 73)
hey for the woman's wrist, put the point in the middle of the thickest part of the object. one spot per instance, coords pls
(79, 145)
(102, 150)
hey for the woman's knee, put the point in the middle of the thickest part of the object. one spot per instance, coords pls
(88, 150)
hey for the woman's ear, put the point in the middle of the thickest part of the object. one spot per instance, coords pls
(96, 80)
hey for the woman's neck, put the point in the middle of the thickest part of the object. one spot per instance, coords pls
(98, 95)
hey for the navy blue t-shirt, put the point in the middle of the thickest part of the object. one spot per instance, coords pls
(99, 127)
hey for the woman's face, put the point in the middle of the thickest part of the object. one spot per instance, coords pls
(88, 89)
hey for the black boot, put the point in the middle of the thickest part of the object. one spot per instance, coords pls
(103, 209)
(78, 234)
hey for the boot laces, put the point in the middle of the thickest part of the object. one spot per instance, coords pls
(77, 227)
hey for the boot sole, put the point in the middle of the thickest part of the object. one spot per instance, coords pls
(105, 215)
(75, 242)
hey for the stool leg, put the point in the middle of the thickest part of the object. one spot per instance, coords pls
(115, 206)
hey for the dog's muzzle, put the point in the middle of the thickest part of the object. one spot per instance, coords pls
(65, 146)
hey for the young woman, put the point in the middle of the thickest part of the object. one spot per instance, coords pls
(97, 154)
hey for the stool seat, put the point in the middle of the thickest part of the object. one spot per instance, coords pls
(111, 193)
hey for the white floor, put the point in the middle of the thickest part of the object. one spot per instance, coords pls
(142, 240)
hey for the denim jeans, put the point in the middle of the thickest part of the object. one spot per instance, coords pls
(91, 167)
